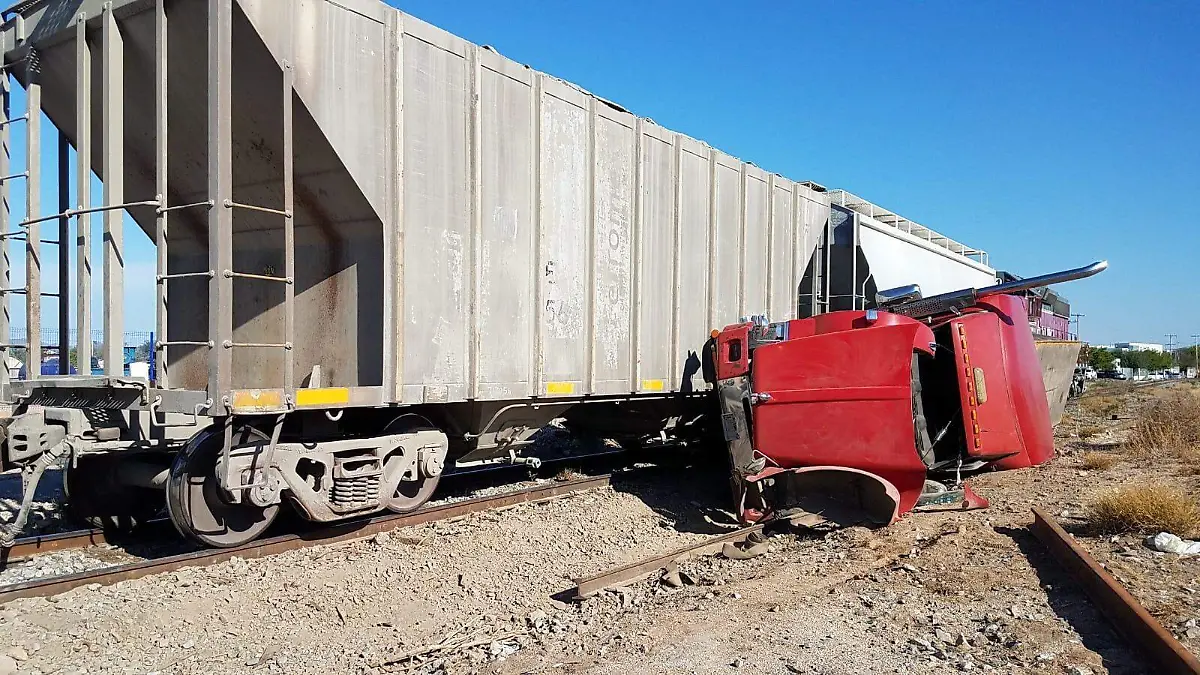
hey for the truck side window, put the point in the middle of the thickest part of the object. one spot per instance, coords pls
(735, 351)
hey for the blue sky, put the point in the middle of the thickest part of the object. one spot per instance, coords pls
(1048, 135)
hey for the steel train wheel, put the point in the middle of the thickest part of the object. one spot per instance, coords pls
(95, 496)
(199, 507)
(410, 495)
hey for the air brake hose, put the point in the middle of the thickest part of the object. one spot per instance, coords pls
(8, 533)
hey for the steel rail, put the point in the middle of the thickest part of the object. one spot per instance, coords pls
(29, 547)
(588, 586)
(1122, 610)
(26, 547)
(330, 534)
(1142, 384)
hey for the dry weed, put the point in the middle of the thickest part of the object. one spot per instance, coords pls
(1101, 406)
(1146, 508)
(1090, 431)
(1189, 459)
(1170, 425)
(568, 474)
(1098, 461)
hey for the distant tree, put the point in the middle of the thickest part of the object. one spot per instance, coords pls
(143, 352)
(1128, 359)
(1100, 358)
(1186, 357)
(1159, 360)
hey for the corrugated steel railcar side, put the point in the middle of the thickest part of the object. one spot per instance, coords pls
(556, 245)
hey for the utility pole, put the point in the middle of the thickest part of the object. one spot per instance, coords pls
(1171, 346)
(1078, 335)
(1196, 351)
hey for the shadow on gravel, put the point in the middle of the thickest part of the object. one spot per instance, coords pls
(693, 499)
(1069, 602)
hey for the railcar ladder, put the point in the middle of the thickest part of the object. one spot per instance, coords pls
(28, 230)
(221, 206)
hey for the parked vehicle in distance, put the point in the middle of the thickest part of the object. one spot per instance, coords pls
(1112, 375)
(1089, 373)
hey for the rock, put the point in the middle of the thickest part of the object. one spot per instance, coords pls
(505, 650)
(965, 665)
(1079, 670)
(8, 665)
(943, 636)
(922, 643)
(18, 653)
(1045, 657)
(537, 619)
(737, 663)
(381, 539)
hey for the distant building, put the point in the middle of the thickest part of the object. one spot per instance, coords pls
(1049, 312)
(1139, 346)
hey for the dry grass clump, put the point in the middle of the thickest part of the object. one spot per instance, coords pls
(1189, 459)
(568, 474)
(1170, 425)
(1146, 508)
(1098, 461)
(1101, 406)
(1090, 431)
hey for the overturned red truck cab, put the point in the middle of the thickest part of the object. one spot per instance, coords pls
(861, 416)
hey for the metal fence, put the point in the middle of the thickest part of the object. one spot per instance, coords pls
(50, 337)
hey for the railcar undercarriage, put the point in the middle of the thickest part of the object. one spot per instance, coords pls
(224, 481)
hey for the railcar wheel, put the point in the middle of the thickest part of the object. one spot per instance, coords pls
(198, 505)
(410, 495)
(95, 495)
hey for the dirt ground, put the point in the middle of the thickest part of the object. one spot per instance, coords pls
(934, 593)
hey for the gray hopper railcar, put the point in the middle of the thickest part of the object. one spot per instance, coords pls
(382, 252)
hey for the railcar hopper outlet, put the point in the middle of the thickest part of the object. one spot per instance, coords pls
(361, 288)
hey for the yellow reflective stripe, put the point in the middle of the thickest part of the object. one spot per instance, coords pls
(256, 399)
(326, 396)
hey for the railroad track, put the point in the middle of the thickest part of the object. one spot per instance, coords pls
(1122, 610)
(1126, 388)
(28, 547)
(331, 534)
